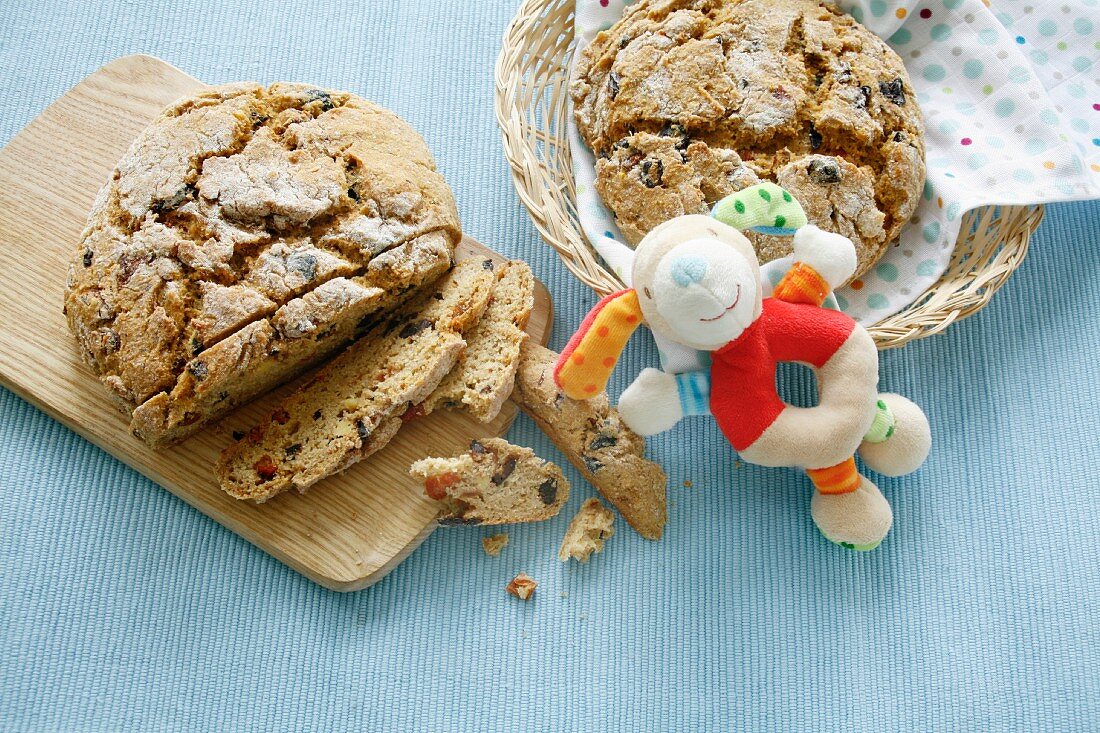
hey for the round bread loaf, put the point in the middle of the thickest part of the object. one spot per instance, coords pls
(242, 237)
(687, 101)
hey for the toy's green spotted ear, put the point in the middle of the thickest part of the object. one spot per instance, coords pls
(764, 208)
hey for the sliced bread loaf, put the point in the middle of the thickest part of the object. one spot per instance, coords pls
(353, 406)
(222, 218)
(484, 377)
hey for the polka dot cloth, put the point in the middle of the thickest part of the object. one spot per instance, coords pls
(1010, 91)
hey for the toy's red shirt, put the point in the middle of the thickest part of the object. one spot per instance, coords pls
(743, 397)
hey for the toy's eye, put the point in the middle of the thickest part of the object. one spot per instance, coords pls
(647, 293)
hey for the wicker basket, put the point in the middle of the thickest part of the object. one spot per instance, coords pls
(532, 102)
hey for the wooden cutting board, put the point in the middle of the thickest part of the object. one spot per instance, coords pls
(348, 531)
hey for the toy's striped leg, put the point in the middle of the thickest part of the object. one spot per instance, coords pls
(848, 508)
(839, 479)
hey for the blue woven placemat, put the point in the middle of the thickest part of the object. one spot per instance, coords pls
(123, 609)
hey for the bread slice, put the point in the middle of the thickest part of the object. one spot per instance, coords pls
(353, 406)
(301, 333)
(486, 373)
(595, 440)
(494, 483)
(587, 532)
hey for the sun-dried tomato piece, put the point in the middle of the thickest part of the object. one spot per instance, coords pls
(436, 486)
(266, 468)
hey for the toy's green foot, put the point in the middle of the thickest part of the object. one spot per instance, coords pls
(899, 439)
(858, 520)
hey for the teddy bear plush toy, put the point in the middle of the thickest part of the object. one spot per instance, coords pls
(697, 282)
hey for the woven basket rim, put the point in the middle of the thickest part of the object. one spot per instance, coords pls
(532, 101)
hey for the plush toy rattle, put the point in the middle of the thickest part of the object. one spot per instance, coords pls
(697, 283)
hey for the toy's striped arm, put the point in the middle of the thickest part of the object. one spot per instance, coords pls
(823, 261)
(655, 401)
(802, 284)
(694, 392)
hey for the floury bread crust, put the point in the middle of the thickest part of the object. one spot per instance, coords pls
(687, 101)
(241, 227)
(299, 335)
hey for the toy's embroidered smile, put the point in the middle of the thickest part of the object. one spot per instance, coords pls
(727, 310)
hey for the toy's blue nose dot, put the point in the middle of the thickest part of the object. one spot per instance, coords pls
(688, 269)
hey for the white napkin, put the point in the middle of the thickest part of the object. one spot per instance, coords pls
(1011, 102)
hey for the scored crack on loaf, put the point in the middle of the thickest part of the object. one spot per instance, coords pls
(593, 437)
(225, 221)
(353, 406)
(494, 482)
(300, 334)
(485, 374)
(687, 101)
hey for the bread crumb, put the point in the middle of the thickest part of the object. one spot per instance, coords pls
(522, 586)
(687, 483)
(494, 544)
(587, 532)
(564, 594)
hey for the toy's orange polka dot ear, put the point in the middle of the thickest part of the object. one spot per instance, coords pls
(586, 362)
